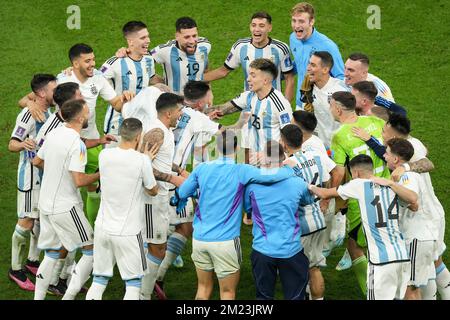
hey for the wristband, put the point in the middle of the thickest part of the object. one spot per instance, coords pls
(406, 166)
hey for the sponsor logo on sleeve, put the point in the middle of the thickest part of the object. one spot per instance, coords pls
(285, 118)
(20, 132)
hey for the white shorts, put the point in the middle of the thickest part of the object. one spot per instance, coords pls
(387, 281)
(69, 229)
(440, 244)
(187, 215)
(27, 204)
(313, 246)
(422, 262)
(126, 251)
(222, 257)
(156, 219)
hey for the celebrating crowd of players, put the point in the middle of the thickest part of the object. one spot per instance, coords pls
(342, 165)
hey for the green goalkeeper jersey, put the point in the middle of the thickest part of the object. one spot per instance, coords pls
(345, 146)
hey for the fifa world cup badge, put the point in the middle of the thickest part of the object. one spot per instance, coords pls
(94, 90)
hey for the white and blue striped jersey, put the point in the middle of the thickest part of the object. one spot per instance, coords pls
(125, 74)
(243, 52)
(53, 122)
(315, 169)
(268, 116)
(179, 67)
(191, 124)
(380, 219)
(28, 176)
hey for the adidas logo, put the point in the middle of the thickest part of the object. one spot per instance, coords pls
(129, 73)
(40, 276)
(246, 58)
(179, 59)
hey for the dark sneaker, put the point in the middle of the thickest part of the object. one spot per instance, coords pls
(20, 277)
(159, 290)
(32, 266)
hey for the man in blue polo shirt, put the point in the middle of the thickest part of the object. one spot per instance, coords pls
(304, 40)
(276, 231)
(217, 220)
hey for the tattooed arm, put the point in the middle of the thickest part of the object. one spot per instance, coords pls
(419, 166)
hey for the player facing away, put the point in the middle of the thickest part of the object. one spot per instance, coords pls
(92, 84)
(133, 72)
(259, 45)
(277, 248)
(388, 270)
(314, 168)
(63, 223)
(192, 123)
(399, 127)
(216, 238)
(156, 227)
(345, 147)
(28, 183)
(117, 238)
(416, 226)
(269, 109)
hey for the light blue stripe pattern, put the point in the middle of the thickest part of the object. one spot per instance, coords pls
(175, 65)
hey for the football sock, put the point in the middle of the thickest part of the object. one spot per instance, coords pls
(44, 274)
(19, 240)
(97, 288)
(80, 275)
(443, 281)
(92, 206)
(133, 289)
(148, 281)
(33, 251)
(359, 266)
(429, 291)
(57, 271)
(68, 263)
(175, 245)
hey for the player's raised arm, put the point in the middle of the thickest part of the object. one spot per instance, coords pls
(118, 102)
(216, 74)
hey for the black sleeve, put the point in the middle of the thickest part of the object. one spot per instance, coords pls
(377, 147)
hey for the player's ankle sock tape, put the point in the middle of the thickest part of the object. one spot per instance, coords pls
(101, 280)
(22, 232)
(440, 268)
(88, 252)
(153, 259)
(176, 243)
(52, 254)
(133, 283)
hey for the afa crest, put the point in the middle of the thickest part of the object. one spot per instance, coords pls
(94, 90)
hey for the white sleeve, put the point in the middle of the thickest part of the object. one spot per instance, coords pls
(24, 124)
(328, 163)
(78, 156)
(107, 68)
(286, 63)
(158, 53)
(241, 101)
(148, 179)
(285, 115)
(107, 91)
(203, 124)
(420, 151)
(350, 190)
(232, 62)
(410, 180)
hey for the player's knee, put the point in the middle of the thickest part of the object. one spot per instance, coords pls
(26, 223)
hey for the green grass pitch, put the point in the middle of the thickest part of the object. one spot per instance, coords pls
(410, 52)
